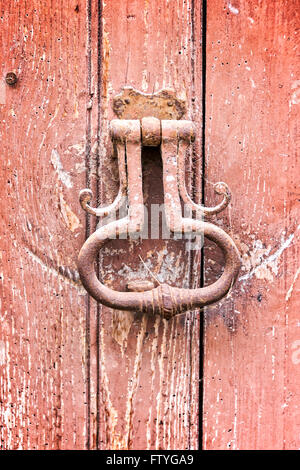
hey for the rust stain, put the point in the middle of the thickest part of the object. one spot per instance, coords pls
(71, 220)
(133, 104)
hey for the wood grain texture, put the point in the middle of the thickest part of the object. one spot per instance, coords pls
(148, 367)
(74, 376)
(251, 368)
(43, 403)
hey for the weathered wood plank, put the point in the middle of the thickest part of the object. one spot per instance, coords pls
(148, 367)
(251, 368)
(43, 133)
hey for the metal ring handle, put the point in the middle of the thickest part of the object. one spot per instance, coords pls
(173, 137)
(164, 299)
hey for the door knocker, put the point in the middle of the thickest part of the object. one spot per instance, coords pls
(154, 120)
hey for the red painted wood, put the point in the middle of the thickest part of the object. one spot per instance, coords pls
(69, 379)
(148, 367)
(74, 376)
(251, 368)
(43, 132)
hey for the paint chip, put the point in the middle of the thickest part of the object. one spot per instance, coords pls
(233, 9)
(63, 175)
(260, 263)
(71, 219)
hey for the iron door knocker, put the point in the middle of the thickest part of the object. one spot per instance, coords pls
(154, 121)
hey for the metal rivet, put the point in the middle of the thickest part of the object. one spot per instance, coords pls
(11, 78)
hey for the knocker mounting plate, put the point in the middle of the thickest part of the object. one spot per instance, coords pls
(151, 122)
(134, 104)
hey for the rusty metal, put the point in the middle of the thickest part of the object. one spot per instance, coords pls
(174, 137)
(133, 104)
(11, 78)
(220, 188)
(140, 285)
(151, 132)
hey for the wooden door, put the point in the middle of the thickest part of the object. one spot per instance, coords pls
(251, 346)
(74, 374)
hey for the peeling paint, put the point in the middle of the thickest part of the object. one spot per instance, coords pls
(2, 92)
(290, 291)
(63, 175)
(295, 98)
(121, 325)
(233, 9)
(71, 219)
(2, 353)
(259, 264)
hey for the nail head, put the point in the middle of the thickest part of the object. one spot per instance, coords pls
(11, 78)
